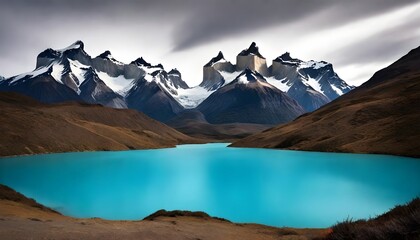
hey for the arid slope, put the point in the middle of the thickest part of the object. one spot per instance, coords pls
(23, 218)
(381, 116)
(29, 127)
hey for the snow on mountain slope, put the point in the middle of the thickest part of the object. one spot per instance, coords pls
(313, 64)
(192, 97)
(118, 84)
(79, 70)
(281, 84)
(229, 76)
(32, 74)
(57, 72)
(319, 75)
(314, 84)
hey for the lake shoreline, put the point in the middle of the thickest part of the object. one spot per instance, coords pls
(21, 217)
(212, 178)
(230, 145)
(24, 218)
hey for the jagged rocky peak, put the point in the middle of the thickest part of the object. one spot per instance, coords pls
(158, 66)
(45, 58)
(77, 45)
(174, 72)
(2, 78)
(252, 50)
(175, 77)
(107, 54)
(287, 59)
(218, 58)
(49, 53)
(141, 62)
(252, 59)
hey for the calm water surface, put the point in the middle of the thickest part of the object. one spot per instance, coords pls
(273, 187)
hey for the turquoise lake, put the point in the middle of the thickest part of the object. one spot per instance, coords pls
(272, 187)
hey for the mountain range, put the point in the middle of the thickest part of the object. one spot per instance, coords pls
(380, 116)
(311, 83)
(248, 92)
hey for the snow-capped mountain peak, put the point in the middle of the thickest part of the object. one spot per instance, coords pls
(77, 45)
(108, 56)
(314, 64)
(49, 53)
(285, 58)
(252, 50)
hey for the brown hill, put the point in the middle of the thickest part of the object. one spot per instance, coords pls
(29, 127)
(381, 116)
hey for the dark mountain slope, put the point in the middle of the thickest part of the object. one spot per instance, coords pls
(249, 99)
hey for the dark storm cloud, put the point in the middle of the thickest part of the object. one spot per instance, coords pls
(385, 46)
(205, 21)
(218, 19)
(27, 27)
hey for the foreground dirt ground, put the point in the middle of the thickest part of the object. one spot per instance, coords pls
(22, 218)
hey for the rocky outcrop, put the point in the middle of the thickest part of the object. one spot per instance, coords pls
(252, 59)
(106, 63)
(175, 78)
(212, 78)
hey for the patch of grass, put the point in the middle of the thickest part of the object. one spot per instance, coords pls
(178, 213)
(402, 222)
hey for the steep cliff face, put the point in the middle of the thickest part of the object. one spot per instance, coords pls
(252, 59)
(212, 77)
(106, 63)
(280, 71)
(252, 62)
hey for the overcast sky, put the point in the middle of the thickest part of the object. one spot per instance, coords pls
(359, 37)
